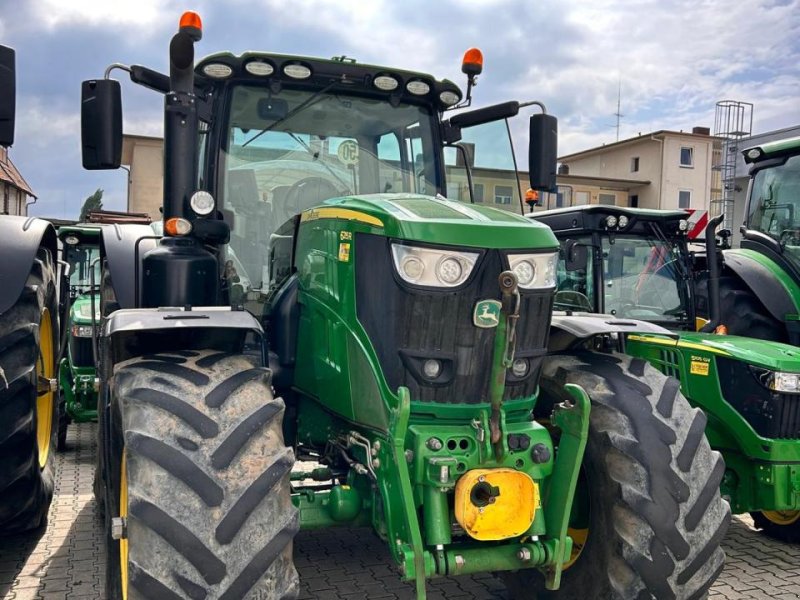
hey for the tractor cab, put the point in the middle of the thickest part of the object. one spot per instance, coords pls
(625, 262)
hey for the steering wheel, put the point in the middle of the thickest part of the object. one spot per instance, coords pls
(306, 193)
(790, 237)
(577, 300)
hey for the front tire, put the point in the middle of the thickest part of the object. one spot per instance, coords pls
(201, 473)
(656, 518)
(780, 525)
(28, 420)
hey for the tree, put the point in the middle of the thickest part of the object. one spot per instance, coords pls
(93, 202)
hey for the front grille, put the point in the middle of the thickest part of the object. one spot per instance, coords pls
(772, 414)
(80, 351)
(407, 326)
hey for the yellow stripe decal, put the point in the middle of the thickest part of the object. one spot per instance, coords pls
(340, 213)
(679, 344)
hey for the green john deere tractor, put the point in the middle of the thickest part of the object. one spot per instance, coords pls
(636, 263)
(28, 349)
(394, 343)
(80, 300)
(760, 281)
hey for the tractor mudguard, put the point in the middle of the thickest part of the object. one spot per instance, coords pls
(118, 247)
(208, 324)
(20, 239)
(763, 283)
(567, 329)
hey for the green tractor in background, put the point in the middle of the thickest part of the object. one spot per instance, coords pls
(80, 316)
(317, 298)
(760, 281)
(80, 312)
(28, 349)
(637, 264)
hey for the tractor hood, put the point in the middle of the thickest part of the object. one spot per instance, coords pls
(429, 219)
(81, 310)
(769, 355)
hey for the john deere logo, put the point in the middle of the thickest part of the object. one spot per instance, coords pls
(487, 314)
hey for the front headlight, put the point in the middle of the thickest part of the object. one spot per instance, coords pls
(781, 381)
(82, 331)
(534, 271)
(433, 268)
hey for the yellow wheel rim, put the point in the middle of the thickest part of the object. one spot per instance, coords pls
(123, 512)
(579, 537)
(44, 402)
(782, 517)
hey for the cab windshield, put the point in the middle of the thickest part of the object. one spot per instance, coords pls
(641, 279)
(80, 260)
(775, 205)
(290, 150)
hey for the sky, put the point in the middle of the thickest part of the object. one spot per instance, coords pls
(668, 61)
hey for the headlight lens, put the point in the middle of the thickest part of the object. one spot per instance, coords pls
(785, 382)
(433, 268)
(534, 271)
(84, 331)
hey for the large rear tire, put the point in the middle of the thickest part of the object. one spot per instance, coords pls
(202, 478)
(28, 420)
(656, 518)
(742, 312)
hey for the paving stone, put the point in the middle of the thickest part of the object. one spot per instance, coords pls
(66, 561)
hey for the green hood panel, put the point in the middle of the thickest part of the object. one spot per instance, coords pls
(80, 312)
(770, 355)
(438, 221)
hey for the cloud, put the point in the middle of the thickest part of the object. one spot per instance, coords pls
(672, 60)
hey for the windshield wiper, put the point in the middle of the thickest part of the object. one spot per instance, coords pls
(310, 101)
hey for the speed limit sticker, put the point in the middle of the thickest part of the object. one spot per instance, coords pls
(348, 152)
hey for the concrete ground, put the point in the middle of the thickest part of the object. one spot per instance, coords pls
(67, 561)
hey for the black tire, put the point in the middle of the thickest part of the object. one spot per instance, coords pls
(209, 507)
(789, 532)
(656, 518)
(63, 423)
(26, 487)
(742, 312)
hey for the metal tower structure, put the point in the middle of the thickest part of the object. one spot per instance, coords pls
(733, 121)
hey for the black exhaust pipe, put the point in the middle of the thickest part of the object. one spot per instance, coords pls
(712, 258)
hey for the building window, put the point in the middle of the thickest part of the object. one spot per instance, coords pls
(684, 199)
(635, 164)
(478, 192)
(687, 156)
(502, 194)
(581, 198)
(607, 199)
(634, 201)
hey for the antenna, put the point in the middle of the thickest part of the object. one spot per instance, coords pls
(618, 114)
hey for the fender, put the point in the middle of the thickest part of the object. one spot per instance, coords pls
(128, 333)
(568, 329)
(20, 239)
(118, 250)
(766, 281)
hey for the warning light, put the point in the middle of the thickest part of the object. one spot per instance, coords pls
(532, 198)
(191, 24)
(472, 64)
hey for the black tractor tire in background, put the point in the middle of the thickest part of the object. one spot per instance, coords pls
(63, 423)
(26, 486)
(656, 518)
(742, 312)
(206, 474)
(788, 531)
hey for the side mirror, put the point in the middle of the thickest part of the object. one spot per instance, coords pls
(101, 124)
(576, 257)
(543, 152)
(8, 93)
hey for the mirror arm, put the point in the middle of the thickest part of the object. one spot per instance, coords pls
(111, 67)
